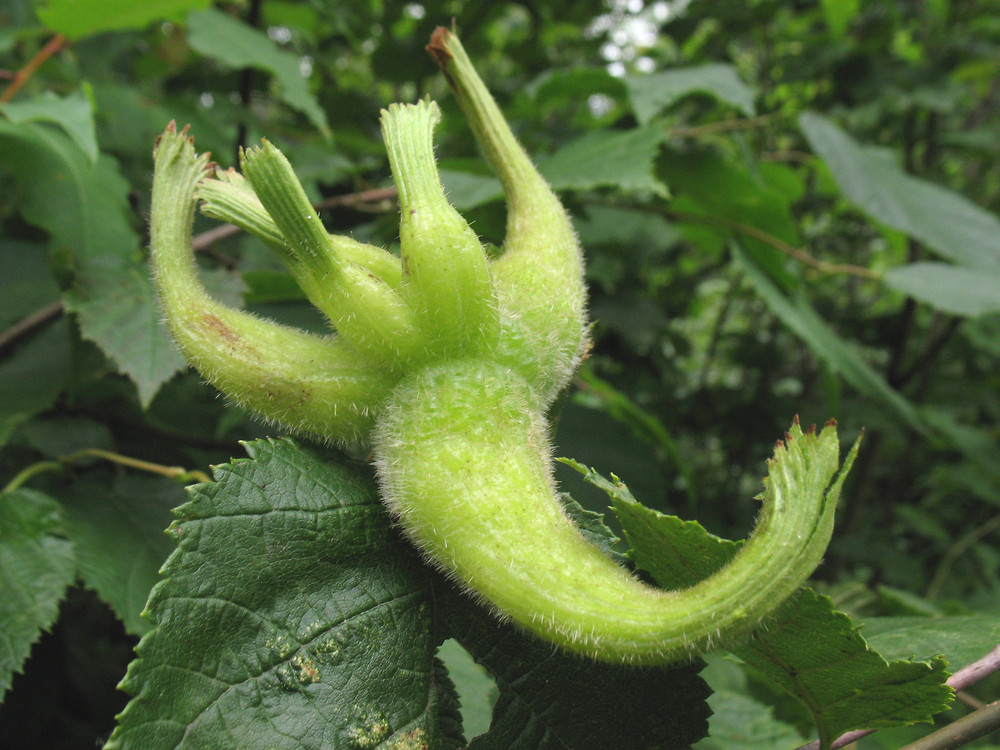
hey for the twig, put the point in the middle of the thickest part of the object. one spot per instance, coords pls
(961, 731)
(978, 670)
(722, 126)
(21, 77)
(373, 195)
(778, 244)
(199, 244)
(967, 675)
(29, 323)
(177, 473)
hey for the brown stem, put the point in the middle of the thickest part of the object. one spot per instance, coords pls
(778, 244)
(722, 126)
(21, 77)
(962, 731)
(29, 323)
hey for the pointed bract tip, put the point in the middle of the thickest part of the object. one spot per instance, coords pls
(438, 49)
(833, 423)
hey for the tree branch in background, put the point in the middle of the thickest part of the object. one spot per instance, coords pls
(200, 243)
(778, 244)
(29, 323)
(21, 77)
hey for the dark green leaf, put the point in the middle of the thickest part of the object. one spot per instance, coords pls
(650, 94)
(33, 376)
(119, 539)
(83, 206)
(816, 654)
(724, 197)
(33, 370)
(36, 566)
(739, 722)
(289, 615)
(807, 648)
(568, 85)
(117, 309)
(466, 190)
(55, 437)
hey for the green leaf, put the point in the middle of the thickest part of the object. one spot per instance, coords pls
(739, 722)
(119, 539)
(83, 206)
(603, 158)
(721, 195)
(289, 614)
(79, 18)
(552, 699)
(466, 190)
(565, 86)
(817, 655)
(607, 158)
(650, 94)
(34, 370)
(32, 378)
(476, 689)
(960, 639)
(802, 319)
(73, 113)
(953, 289)
(808, 649)
(59, 436)
(36, 566)
(118, 311)
(236, 45)
(676, 553)
(839, 14)
(946, 222)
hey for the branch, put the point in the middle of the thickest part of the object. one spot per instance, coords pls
(723, 126)
(21, 77)
(961, 731)
(778, 244)
(29, 323)
(199, 243)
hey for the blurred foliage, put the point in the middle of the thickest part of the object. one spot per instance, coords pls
(788, 208)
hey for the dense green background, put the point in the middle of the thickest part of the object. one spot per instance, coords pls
(787, 208)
